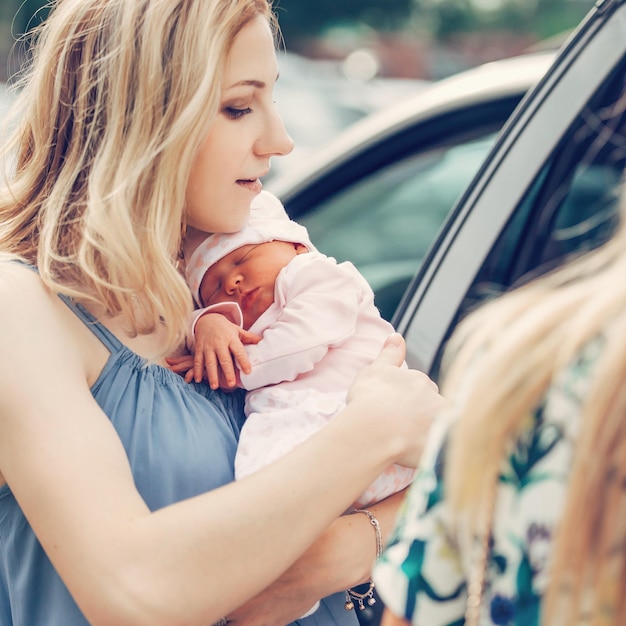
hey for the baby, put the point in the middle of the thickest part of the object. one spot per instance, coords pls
(288, 324)
(311, 327)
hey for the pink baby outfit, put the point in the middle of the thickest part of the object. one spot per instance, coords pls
(320, 331)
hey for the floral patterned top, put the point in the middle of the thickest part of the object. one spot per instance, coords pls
(423, 573)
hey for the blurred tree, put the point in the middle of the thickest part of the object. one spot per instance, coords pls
(301, 19)
(17, 19)
(443, 17)
(542, 18)
(308, 19)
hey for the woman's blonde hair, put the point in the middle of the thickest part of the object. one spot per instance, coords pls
(513, 348)
(118, 98)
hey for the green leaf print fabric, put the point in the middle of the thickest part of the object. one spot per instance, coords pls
(423, 573)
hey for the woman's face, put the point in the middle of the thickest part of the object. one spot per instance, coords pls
(246, 132)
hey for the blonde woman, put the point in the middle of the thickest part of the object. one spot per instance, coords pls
(518, 514)
(117, 504)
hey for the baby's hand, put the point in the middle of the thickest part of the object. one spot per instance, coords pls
(219, 345)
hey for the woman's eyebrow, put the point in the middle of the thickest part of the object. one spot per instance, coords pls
(250, 82)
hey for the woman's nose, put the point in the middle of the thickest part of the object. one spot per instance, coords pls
(275, 141)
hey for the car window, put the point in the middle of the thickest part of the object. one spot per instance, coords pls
(572, 205)
(385, 222)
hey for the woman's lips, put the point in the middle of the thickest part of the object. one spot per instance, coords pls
(252, 185)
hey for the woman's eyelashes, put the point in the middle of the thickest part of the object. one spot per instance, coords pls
(234, 113)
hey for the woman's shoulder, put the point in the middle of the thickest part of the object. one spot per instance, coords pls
(20, 286)
(33, 318)
(10, 263)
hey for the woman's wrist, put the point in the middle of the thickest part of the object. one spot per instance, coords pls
(344, 554)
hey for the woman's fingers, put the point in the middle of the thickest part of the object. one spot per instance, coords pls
(393, 351)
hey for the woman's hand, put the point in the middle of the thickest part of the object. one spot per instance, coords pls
(405, 401)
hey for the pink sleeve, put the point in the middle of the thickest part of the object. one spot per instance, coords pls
(320, 311)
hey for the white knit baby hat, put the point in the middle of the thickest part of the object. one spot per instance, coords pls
(268, 221)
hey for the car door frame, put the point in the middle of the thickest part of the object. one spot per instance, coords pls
(431, 303)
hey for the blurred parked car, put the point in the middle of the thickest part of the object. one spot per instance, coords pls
(379, 193)
(543, 187)
(317, 101)
(547, 189)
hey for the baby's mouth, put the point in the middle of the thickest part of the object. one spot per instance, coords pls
(248, 298)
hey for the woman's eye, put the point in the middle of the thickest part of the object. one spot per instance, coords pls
(234, 113)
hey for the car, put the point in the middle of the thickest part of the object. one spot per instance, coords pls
(317, 101)
(378, 194)
(548, 189)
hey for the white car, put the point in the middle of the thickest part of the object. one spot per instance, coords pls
(378, 194)
(451, 191)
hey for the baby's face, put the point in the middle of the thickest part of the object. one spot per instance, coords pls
(247, 276)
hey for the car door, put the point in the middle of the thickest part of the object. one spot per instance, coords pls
(547, 190)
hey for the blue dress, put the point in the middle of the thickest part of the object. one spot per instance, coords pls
(180, 439)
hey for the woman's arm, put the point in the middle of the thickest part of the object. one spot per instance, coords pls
(184, 563)
(340, 558)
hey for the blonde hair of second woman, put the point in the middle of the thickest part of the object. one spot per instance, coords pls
(514, 347)
(111, 115)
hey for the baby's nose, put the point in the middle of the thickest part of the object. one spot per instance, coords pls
(232, 282)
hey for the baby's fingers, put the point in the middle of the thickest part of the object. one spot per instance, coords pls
(240, 356)
(245, 336)
(227, 367)
(205, 362)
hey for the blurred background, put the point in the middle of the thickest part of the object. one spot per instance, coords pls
(344, 59)
(410, 39)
